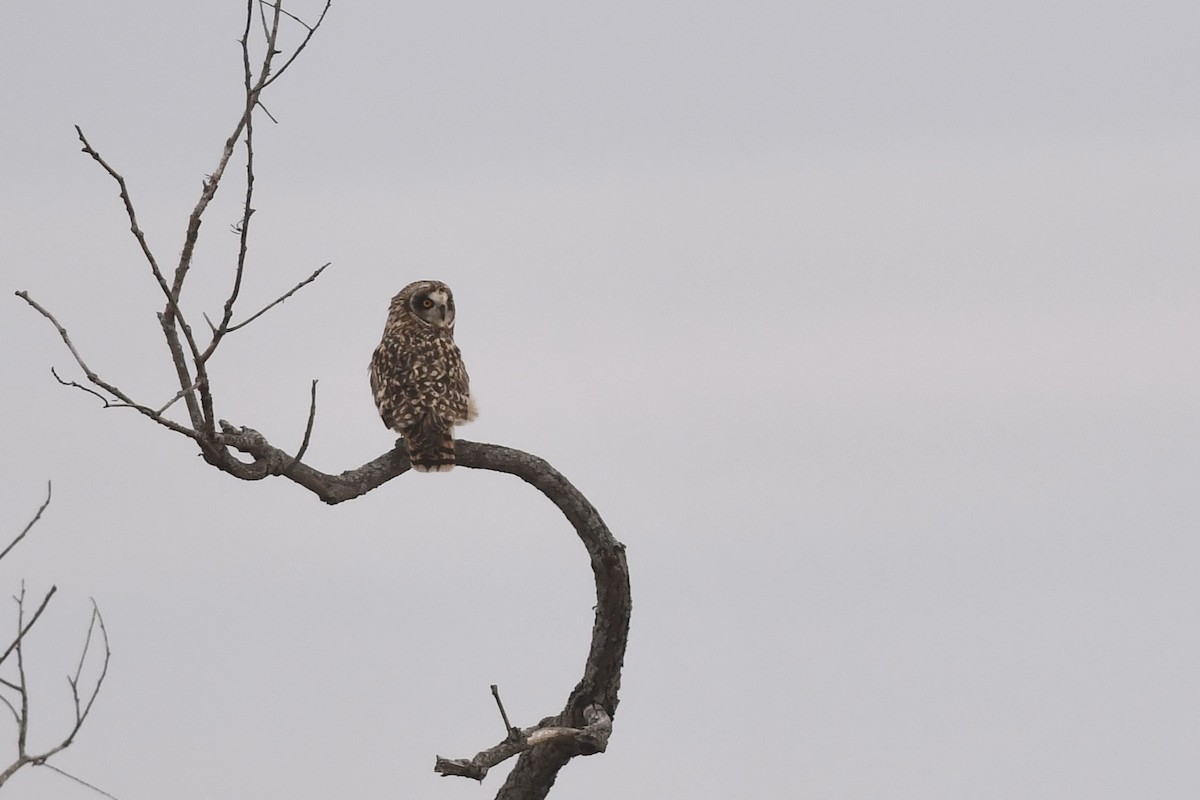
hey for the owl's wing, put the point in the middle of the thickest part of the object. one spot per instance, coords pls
(387, 384)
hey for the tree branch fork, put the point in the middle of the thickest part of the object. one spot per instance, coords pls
(588, 740)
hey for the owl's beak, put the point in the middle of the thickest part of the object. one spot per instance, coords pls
(445, 317)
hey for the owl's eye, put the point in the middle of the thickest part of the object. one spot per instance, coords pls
(426, 303)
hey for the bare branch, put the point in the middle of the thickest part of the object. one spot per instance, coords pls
(270, 116)
(312, 415)
(333, 489)
(290, 15)
(583, 725)
(243, 230)
(590, 739)
(199, 408)
(82, 707)
(172, 319)
(276, 302)
(62, 332)
(23, 629)
(29, 525)
(129, 212)
(535, 770)
(181, 393)
(20, 710)
(508, 726)
(262, 16)
(23, 723)
(80, 781)
(172, 297)
(189, 362)
(81, 715)
(303, 44)
(77, 385)
(154, 414)
(126, 400)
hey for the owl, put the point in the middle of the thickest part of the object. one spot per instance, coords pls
(417, 375)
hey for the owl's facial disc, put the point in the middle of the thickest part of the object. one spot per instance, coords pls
(435, 307)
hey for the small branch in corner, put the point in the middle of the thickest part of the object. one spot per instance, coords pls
(289, 15)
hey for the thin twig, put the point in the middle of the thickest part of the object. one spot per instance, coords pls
(172, 319)
(62, 332)
(243, 230)
(23, 629)
(175, 399)
(172, 296)
(508, 726)
(129, 212)
(287, 14)
(308, 429)
(204, 418)
(262, 16)
(82, 708)
(80, 781)
(23, 725)
(98, 381)
(3, 699)
(276, 302)
(299, 48)
(45, 504)
(97, 619)
(270, 116)
(77, 385)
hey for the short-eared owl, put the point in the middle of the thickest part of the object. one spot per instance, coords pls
(417, 375)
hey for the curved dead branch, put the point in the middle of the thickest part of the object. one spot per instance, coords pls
(593, 702)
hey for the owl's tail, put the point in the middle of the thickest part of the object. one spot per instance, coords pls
(430, 449)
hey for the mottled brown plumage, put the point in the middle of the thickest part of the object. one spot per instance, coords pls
(417, 375)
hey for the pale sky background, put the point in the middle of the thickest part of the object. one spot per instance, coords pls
(870, 328)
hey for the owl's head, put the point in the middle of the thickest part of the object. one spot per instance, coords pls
(429, 302)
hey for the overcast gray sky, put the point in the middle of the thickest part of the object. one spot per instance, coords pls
(870, 328)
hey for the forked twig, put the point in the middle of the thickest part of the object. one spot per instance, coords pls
(303, 43)
(77, 385)
(83, 707)
(96, 380)
(21, 709)
(290, 15)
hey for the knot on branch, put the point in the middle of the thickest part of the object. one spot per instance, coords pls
(268, 459)
(585, 741)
